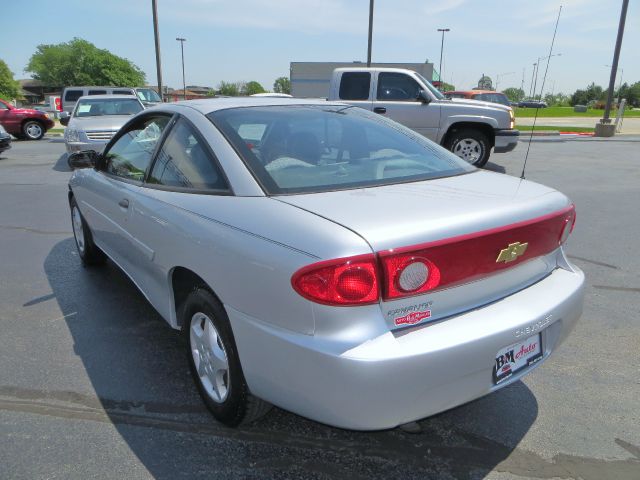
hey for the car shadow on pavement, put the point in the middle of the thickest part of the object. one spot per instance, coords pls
(61, 164)
(138, 368)
(494, 167)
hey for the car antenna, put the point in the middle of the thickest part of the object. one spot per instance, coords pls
(535, 118)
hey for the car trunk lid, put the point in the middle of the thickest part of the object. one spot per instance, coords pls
(471, 227)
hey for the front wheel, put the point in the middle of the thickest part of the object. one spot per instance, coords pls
(89, 252)
(214, 361)
(470, 145)
(33, 130)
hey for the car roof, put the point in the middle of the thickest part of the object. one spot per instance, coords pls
(213, 104)
(472, 91)
(108, 97)
(102, 86)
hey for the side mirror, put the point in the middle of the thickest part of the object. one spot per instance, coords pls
(84, 159)
(423, 97)
(64, 118)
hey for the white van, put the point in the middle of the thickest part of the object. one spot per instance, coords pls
(70, 95)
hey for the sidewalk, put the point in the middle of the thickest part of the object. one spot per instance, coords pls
(630, 126)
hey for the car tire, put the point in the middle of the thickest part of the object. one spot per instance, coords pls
(471, 145)
(89, 252)
(33, 130)
(214, 361)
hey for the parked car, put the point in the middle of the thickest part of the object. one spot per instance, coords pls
(467, 128)
(24, 122)
(5, 140)
(532, 104)
(148, 96)
(482, 95)
(327, 260)
(96, 119)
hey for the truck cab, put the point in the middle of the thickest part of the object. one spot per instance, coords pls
(468, 128)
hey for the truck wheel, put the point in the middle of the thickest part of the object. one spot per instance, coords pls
(470, 145)
(33, 130)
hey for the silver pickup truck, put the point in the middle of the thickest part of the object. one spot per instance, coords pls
(469, 128)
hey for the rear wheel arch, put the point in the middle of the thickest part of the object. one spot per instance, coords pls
(183, 282)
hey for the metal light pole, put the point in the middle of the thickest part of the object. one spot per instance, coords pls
(533, 72)
(443, 30)
(370, 33)
(157, 42)
(616, 56)
(537, 69)
(184, 85)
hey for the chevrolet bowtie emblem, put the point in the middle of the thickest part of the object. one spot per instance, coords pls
(512, 252)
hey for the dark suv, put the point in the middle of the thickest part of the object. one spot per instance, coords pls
(24, 122)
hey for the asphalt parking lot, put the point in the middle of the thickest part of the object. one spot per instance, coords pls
(94, 384)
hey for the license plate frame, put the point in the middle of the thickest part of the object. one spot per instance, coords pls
(517, 356)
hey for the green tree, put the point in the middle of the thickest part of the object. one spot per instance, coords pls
(583, 97)
(79, 62)
(631, 93)
(556, 99)
(9, 88)
(229, 89)
(282, 85)
(252, 87)
(514, 94)
(446, 87)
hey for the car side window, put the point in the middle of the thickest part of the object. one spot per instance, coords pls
(184, 162)
(72, 95)
(355, 85)
(131, 154)
(397, 86)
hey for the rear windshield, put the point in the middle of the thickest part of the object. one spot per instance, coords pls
(494, 98)
(316, 148)
(148, 95)
(103, 106)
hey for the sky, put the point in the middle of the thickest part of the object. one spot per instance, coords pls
(243, 40)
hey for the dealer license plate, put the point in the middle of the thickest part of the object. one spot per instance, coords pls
(514, 358)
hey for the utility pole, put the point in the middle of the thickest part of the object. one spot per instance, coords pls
(370, 33)
(443, 30)
(157, 42)
(522, 84)
(538, 69)
(533, 72)
(605, 129)
(184, 85)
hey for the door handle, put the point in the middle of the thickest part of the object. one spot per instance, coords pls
(380, 110)
(124, 203)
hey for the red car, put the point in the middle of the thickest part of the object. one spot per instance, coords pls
(483, 95)
(24, 122)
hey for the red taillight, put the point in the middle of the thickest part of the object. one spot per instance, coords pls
(569, 223)
(409, 274)
(344, 281)
(408, 271)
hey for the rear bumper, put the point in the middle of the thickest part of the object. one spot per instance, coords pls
(401, 377)
(505, 140)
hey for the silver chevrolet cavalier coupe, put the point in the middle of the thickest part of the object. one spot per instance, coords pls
(326, 260)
